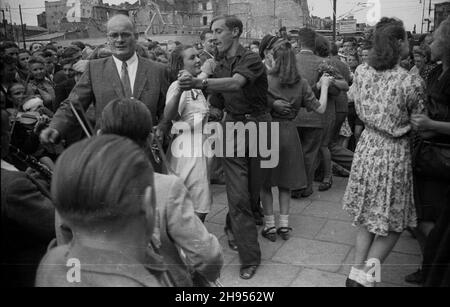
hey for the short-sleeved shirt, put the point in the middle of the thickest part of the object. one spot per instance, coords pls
(250, 99)
(386, 100)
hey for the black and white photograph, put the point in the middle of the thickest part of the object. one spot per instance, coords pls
(225, 148)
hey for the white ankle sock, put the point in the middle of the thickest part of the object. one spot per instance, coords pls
(362, 279)
(354, 274)
(269, 221)
(284, 220)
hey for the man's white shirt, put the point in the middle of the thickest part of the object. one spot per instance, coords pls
(132, 68)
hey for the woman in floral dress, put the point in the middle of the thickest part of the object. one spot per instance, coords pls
(379, 195)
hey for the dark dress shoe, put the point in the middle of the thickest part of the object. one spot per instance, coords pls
(284, 233)
(325, 186)
(248, 272)
(307, 193)
(296, 194)
(415, 278)
(352, 284)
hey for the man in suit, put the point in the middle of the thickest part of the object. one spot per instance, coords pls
(124, 75)
(309, 124)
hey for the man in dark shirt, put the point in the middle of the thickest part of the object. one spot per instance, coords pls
(240, 87)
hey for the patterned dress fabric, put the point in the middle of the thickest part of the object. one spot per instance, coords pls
(379, 195)
(186, 156)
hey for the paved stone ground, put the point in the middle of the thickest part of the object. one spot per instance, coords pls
(321, 249)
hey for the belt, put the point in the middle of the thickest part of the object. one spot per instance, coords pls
(242, 117)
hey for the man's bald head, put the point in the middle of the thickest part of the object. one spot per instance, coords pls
(122, 20)
(122, 37)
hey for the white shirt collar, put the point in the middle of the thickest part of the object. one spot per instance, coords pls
(130, 61)
(132, 64)
(9, 167)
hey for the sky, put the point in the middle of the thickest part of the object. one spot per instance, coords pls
(410, 11)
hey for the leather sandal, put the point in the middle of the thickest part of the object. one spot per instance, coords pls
(325, 186)
(284, 233)
(248, 272)
(270, 234)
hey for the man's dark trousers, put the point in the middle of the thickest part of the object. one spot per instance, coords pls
(311, 139)
(244, 178)
(339, 154)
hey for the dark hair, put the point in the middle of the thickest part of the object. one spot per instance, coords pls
(351, 40)
(115, 119)
(176, 61)
(51, 47)
(231, 22)
(7, 44)
(386, 50)
(256, 43)
(307, 38)
(203, 34)
(66, 61)
(322, 46)
(285, 64)
(70, 52)
(441, 35)
(79, 44)
(101, 181)
(267, 43)
(47, 54)
(7, 60)
(36, 60)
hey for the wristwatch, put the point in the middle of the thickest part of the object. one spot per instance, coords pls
(204, 84)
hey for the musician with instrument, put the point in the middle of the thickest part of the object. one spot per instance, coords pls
(28, 213)
(28, 117)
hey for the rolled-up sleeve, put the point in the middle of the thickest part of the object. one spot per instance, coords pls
(250, 67)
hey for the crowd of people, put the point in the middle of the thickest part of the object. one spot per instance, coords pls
(91, 168)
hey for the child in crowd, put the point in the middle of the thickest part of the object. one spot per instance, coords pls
(39, 84)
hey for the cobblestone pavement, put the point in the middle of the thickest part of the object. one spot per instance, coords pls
(320, 251)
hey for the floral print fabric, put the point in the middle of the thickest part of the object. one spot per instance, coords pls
(379, 194)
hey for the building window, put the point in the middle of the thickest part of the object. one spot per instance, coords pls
(205, 20)
(204, 6)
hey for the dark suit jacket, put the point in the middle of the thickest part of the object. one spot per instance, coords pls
(101, 84)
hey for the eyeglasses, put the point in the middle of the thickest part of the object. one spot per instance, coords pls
(124, 35)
